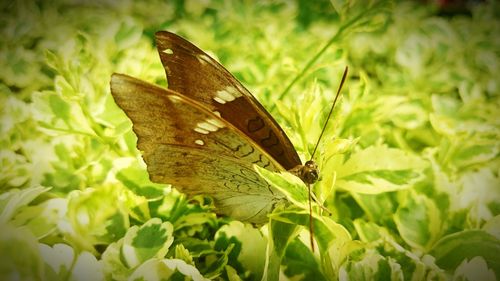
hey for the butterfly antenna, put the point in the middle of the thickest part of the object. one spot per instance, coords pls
(331, 111)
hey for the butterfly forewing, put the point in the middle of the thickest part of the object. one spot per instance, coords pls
(187, 145)
(193, 73)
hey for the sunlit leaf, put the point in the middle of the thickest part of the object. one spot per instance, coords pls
(455, 248)
(380, 169)
(150, 240)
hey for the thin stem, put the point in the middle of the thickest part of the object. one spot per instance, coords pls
(67, 131)
(310, 64)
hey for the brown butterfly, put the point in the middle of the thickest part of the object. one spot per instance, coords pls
(204, 134)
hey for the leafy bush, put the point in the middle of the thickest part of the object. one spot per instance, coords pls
(409, 164)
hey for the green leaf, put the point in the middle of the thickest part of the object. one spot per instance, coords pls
(87, 266)
(215, 264)
(372, 266)
(65, 91)
(152, 239)
(11, 202)
(183, 254)
(418, 220)
(19, 254)
(326, 231)
(87, 227)
(232, 274)
(299, 262)
(479, 152)
(57, 113)
(14, 168)
(250, 247)
(59, 107)
(114, 265)
(379, 208)
(280, 235)
(338, 4)
(493, 226)
(136, 178)
(128, 34)
(368, 231)
(453, 249)
(380, 169)
(420, 86)
(196, 247)
(291, 186)
(475, 269)
(62, 260)
(476, 190)
(166, 269)
(408, 115)
(43, 219)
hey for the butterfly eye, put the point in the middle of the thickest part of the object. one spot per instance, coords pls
(311, 164)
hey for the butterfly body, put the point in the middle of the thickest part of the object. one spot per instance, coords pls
(204, 134)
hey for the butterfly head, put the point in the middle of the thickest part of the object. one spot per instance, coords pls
(310, 173)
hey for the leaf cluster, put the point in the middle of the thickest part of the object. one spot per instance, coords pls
(409, 162)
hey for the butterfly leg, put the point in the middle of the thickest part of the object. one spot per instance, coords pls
(311, 228)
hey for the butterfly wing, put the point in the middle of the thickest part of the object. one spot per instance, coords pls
(187, 145)
(193, 73)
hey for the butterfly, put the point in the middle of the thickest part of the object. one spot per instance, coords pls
(205, 132)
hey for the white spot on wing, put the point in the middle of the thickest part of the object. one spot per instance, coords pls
(219, 100)
(201, 131)
(202, 58)
(216, 122)
(199, 142)
(231, 90)
(227, 95)
(209, 125)
(174, 98)
(216, 113)
(168, 51)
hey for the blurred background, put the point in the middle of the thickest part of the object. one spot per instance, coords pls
(410, 162)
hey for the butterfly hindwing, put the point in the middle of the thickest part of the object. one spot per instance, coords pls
(187, 145)
(193, 73)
